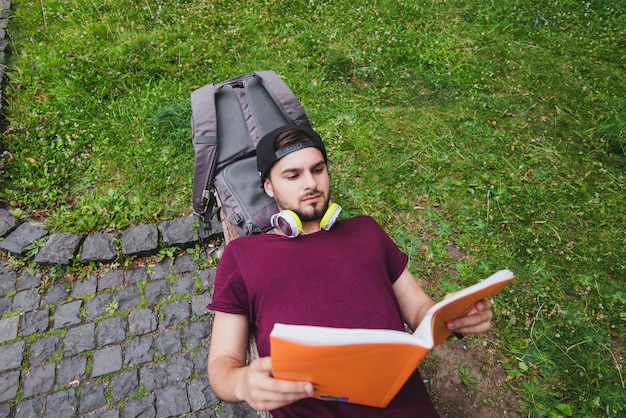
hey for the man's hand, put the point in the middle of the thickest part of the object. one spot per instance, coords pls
(256, 386)
(477, 321)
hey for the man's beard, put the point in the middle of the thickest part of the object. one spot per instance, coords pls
(311, 213)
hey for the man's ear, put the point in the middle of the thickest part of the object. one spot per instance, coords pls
(267, 185)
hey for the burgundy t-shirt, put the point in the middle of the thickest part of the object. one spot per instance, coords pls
(339, 278)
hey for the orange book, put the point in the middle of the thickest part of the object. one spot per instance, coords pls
(369, 366)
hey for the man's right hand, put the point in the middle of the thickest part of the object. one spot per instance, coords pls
(263, 392)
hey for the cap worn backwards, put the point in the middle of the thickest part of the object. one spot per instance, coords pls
(267, 156)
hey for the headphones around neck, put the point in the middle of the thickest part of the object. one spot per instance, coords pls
(291, 225)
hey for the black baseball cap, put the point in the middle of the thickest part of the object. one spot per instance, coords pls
(266, 155)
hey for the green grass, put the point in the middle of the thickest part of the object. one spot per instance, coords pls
(499, 127)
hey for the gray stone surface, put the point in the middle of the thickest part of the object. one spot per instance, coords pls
(40, 380)
(61, 404)
(111, 330)
(8, 328)
(99, 248)
(21, 238)
(136, 275)
(124, 385)
(9, 384)
(59, 249)
(67, 314)
(142, 321)
(79, 339)
(11, 355)
(34, 322)
(179, 232)
(89, 346)
(86, 286)
(107, 360)
(44, 348)
(140, 241)
(7, 222)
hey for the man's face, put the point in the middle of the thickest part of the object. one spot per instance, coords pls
(299, 182)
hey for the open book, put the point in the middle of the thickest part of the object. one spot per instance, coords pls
(369, 366)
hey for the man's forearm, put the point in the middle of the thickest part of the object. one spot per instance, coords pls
(224, 375)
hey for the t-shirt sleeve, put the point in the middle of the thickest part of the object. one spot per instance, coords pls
(230, 294)
(396, 259)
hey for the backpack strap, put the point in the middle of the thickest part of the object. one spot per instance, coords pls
(204, 138)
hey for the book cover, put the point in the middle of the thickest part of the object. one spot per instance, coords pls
(369, 366)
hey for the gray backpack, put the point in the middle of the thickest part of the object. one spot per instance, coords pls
(228, 120)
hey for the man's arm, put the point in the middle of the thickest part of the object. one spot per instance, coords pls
(234, 381)
(414, 304)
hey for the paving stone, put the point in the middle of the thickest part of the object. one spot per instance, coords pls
(199, 304)
(141, 407)
(5, 410)
(124, 385)
(127, 298)
(30, 408)
(79, 339)
(34, 322)
(56, 295)
(91, 397)
(61, 404)
(85, 287)
(21, 238)
(172, 401)
(184, 284)
(161, 270)
(138, 351)
(107, 360)
(71, 369)
(99, 248)
(5, 305)
(42, 349)
(39, 380)
(184, 264)
(142, 321)
(179, 367)
(11, 355)
(140, 241)
(168, 342)
(7, 222)
(97, 306)
(196, 334)
(107, 413)
(179, 232)
(200, 361)
(200, 394)
(9, 384)
(59, 249)
(26, 300)
(136, 275)
(67, 314)
(7, 282)
(111, 279)
(207, 278)
(157, 291)
(110, 331)
(29, 281)
(174, 313)
(8, 328)
(153, 376)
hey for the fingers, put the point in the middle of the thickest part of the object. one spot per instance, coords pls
(266, 393)
(477, 321)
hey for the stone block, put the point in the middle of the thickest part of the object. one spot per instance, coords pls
(59, 249)
(140, 241)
